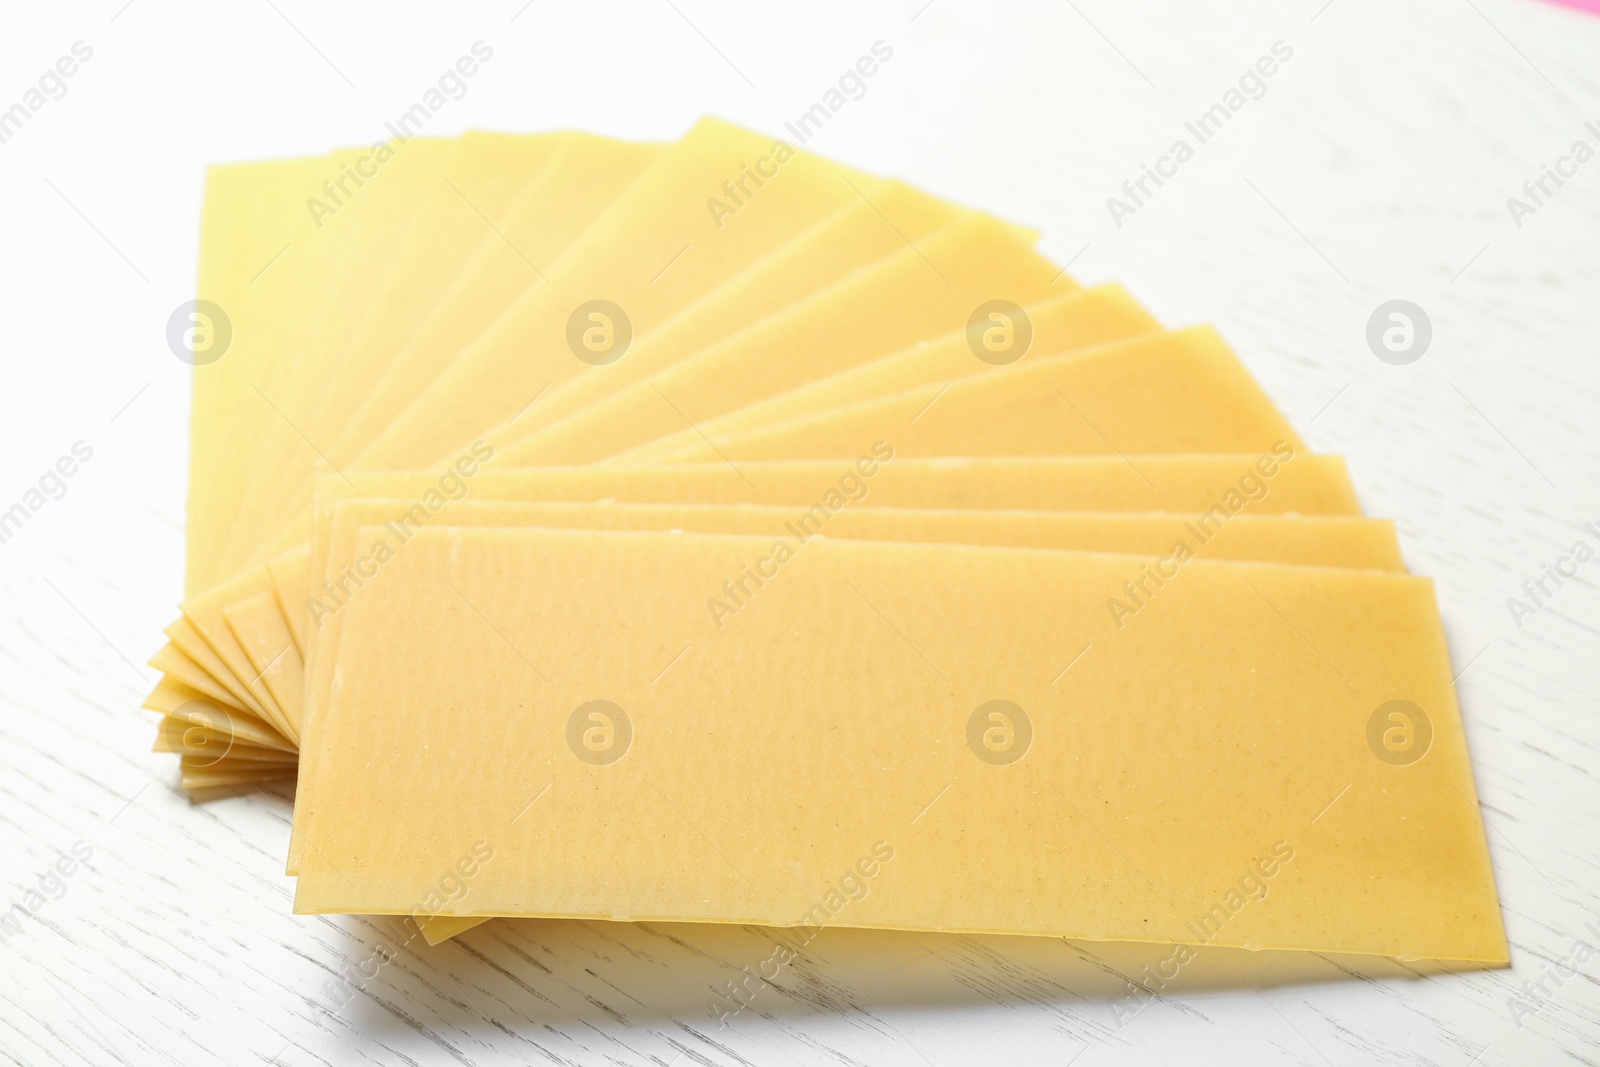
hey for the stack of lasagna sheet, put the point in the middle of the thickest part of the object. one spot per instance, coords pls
(709, 531)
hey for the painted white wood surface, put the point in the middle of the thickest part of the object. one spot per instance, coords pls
(1376, 166)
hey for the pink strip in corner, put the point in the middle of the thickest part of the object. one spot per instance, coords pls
(1591, 6)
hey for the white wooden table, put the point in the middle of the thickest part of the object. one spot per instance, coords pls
(1376, 166)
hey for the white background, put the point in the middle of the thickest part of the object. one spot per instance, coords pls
(1377, 166)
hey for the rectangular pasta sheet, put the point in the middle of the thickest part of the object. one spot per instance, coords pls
(1183, 391)
(278, 282)
(366, 279)
(1059, 324)
(482, 175)
(853, 238)
(1289, 482)
(571, 708)
(586, 175)
(655, 250)
(919, 293)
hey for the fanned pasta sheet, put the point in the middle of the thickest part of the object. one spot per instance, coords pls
(654, 251)
(276, 305)
(853, 234)
(1337, 541)
(546, 488)
(481, 249)
(836, 743)
(919, 293)
(853, 238)
(275, 280)
(443, 222)
(418, 253)
(1289, 483)
(995, 340)
(1191, 396)
(1183, 391)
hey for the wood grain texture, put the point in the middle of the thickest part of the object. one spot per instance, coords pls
(1376, 166)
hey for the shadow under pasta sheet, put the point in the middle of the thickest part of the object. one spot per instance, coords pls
(696, 985)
